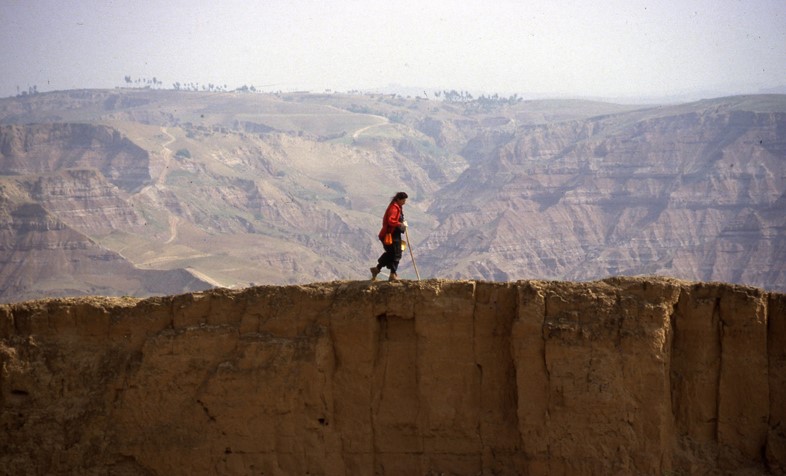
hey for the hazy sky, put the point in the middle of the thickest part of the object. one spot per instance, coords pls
(600, 48)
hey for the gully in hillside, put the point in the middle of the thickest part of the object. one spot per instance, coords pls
(393, 225)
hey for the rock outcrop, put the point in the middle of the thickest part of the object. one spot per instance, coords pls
(622, 376)
(56, 256)
(696, 193)
(47, 148)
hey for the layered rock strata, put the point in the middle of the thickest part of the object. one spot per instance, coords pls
(697, 195)
(622, 376)
(48, 148)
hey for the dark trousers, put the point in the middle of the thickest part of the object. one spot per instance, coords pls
(390, 257)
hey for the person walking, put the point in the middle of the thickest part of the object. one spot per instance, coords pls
(393, 225)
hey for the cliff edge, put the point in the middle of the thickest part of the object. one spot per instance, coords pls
(621, 376)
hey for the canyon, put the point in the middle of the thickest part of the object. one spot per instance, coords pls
(646, 375)
(139, 192)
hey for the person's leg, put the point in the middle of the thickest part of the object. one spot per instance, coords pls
(382, 262)
(395, 251)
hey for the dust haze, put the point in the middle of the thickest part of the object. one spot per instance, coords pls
(626, 50)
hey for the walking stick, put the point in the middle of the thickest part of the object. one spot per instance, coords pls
(406, 232)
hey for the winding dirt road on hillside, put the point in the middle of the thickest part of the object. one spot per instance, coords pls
(173, 221)
(159, 182)
(167, 154)
(383, 122)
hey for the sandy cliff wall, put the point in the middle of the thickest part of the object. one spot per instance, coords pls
(624, 376)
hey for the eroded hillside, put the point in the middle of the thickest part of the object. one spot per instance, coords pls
(694, 192)
(232, 189)
(623, 376)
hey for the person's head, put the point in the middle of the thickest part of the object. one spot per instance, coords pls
(400, 197)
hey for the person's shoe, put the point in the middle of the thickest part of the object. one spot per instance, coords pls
(374, 273)
(393, 277)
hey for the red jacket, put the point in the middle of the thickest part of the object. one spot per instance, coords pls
(391, 220)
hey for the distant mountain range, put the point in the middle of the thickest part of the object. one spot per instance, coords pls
(143, 192)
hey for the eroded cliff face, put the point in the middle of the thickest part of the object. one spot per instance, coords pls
(56, 256)
(623, 376)
(47, 148)
(697, 194)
